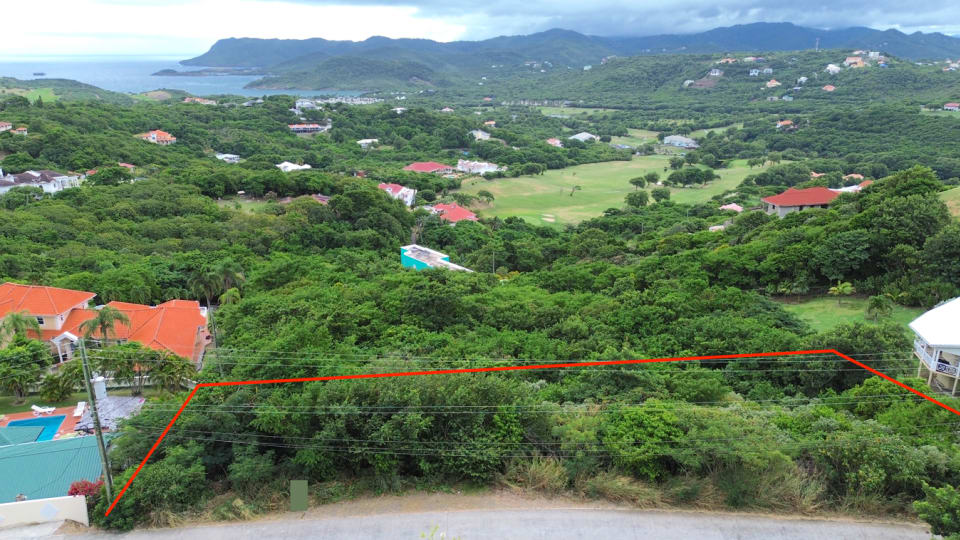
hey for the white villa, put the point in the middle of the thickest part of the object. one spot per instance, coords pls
(480, 135)
(48, 181)
(367, 143)
(583, 136)
(229, 158)
(937, 344)
(680, 141)
(476, 167)
(286, 166)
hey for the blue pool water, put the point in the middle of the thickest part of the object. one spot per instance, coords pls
(50, 425)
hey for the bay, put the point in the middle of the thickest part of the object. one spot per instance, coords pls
(132, 74)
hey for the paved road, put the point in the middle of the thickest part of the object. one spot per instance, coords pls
(552, 524)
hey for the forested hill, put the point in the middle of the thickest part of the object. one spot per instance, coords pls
(380, 63)
(571, 48)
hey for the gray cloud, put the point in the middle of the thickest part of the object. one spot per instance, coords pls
(649, 17)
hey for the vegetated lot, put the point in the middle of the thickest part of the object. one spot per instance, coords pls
(824, 313)
(246, 204)
(572, 111)
(952, 198)
(702, 132)
(540, 198)
(32, 94)
(636, 137)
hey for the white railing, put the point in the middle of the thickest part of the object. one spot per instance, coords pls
(920, 348)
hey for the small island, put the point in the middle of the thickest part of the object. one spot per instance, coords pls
(209, 72)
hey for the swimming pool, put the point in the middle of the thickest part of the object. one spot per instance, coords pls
(50, 425)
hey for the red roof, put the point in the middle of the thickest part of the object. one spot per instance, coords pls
(127, 165)
(829, 88)
(951, 104)
(802, 197)
(427, 167)
(392, 188)
(854, 176)
(39, 300)
(453, 212)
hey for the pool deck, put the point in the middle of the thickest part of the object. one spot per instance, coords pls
(69, 422)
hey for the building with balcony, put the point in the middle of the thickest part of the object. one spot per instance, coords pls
(937, 345)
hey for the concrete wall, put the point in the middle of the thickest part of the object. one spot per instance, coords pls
(44, 511)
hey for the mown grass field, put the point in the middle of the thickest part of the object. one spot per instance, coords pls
(952, 199)
(823, 313)
(34, 93)
(636, 137)
(545, 199)
(247, 205)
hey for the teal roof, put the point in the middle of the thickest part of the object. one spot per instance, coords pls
(19, 434)
(46, 469)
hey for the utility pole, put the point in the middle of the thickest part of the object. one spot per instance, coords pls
(108, 477)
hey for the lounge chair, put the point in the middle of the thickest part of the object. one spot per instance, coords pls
(78, 412)
(37, 411)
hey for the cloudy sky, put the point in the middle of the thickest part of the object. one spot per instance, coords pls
(189, 27)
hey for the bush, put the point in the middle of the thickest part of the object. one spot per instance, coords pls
(941, 509)
(613, 487)
(546, 475)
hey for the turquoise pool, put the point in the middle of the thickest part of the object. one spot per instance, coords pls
(50, 425)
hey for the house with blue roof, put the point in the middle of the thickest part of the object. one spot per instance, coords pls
(44, 469)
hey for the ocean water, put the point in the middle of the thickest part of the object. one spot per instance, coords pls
(131, 74)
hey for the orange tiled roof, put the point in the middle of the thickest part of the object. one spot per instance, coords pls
(39, 300)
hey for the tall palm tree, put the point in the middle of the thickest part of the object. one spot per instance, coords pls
(105, 321)
(879, 306)
(17, 324)
(171, 371)
(229, 273)
(205, 283)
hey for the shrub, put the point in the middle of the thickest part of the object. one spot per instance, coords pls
(941, 509)
(617, 488)
(547, 475)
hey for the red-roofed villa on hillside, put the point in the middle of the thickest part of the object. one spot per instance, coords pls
(178, 326)
(951, 106)
(157, 136)
(793, 200)
(401, 193)
(453, 212)
(429, 167)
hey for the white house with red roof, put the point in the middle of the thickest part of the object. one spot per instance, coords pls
(157, 136)
(401, 193)
(794, 200)
(453, 213)
(946, 106)
(178, 326)
(553, 141)
(429, 167)
(5, 126)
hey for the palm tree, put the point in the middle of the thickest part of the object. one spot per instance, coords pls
(230, 296)
(229, 273)
(105, 321)
(17, 379)
(17, 324)
(841, 289)
(204, 283)
(879, 306)
(171, 371)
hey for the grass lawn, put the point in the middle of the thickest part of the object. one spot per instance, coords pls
(823, 313)
(702, 132)
(636, 137)
(32, 94)
(571, 111)
(545, 199)
(247, 205)
(952, 198)
(7, 406)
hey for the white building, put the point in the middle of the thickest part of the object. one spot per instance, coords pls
(583, 136)
(48, 181)
(802, 80)
(476, 167)
(937, 344)
(768, 71)
(401, 193)
(480, 135)
(286, 166)
(229, 158)
(754, 72)
(399, 110)
(680, 141)
(367, 143)
(833, 69)
(5, 126)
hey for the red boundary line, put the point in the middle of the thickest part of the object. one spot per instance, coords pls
(507, 368)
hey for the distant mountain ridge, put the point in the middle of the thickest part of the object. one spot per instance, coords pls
(380, 62)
